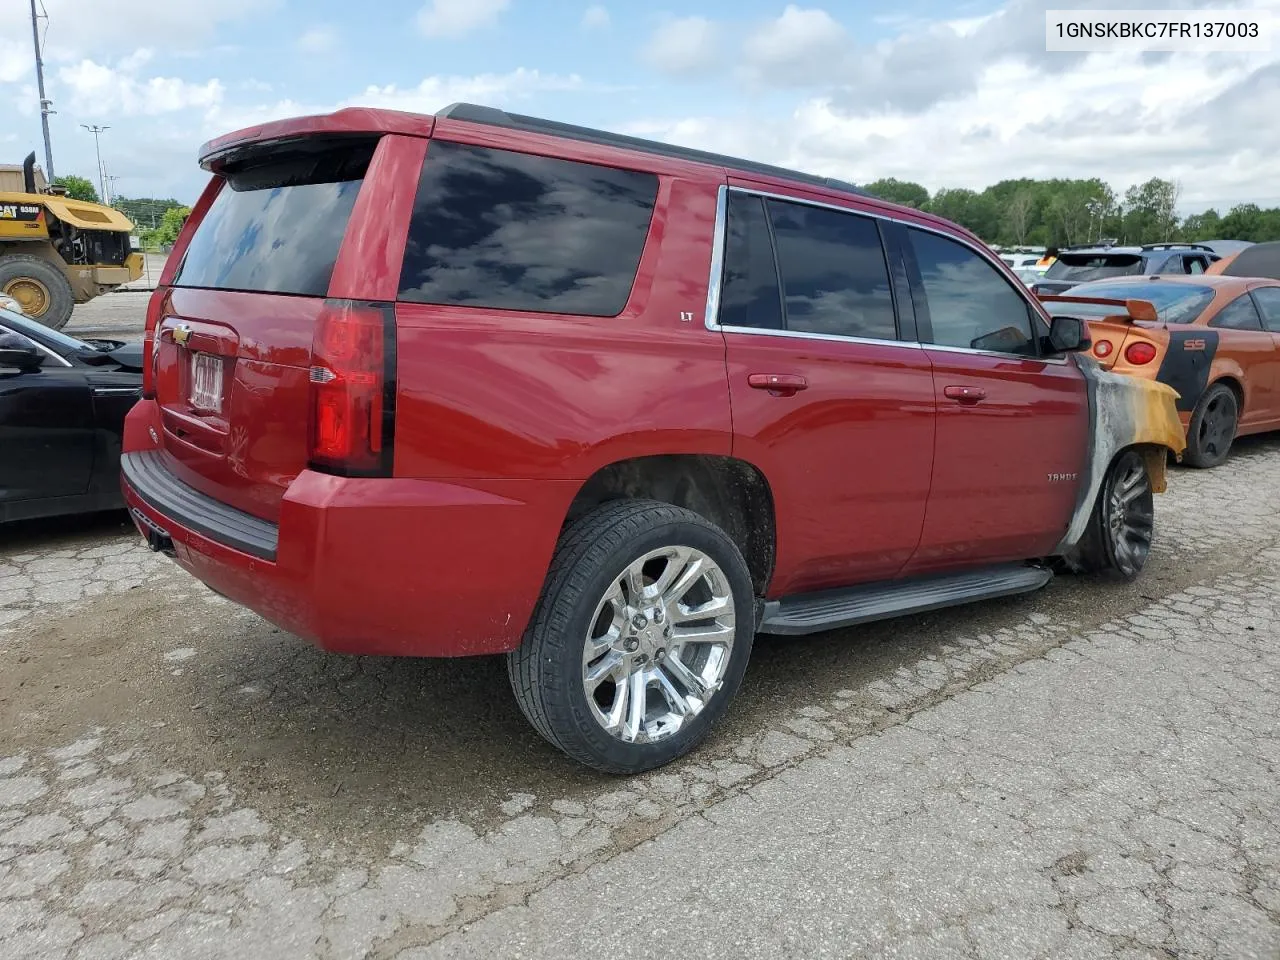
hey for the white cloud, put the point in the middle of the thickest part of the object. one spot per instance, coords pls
(98, 28)
(1113, 116)
(318, 39)
(797, 46)
(683, 46)
(595, 17)
(16, 60)
(94, 89)
(456, 18)
(431, 94)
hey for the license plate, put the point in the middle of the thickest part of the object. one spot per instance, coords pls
(206, 382)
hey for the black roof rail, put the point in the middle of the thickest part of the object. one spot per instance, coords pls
(493, 117)
(1177, 246)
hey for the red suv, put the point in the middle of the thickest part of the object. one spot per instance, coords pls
(479, 383)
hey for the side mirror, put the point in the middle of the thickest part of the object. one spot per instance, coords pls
(24, 360)
(1067, 334)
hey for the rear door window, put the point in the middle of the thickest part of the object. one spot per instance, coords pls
(278, 221)
(750, 296)
(835, 279)
(512, 231)
(971, 305)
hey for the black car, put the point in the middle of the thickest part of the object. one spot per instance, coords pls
(62, 407)
(1099, 261)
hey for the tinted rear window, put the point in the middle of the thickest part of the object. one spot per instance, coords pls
(1079, 267)
(512, 231)
(277, 223)
(1174, 302)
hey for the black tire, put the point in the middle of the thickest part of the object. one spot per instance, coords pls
(16, 267)
(1213, 427)
(546, 670)
(1117, 541)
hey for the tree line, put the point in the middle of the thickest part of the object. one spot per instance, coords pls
(1064, 212)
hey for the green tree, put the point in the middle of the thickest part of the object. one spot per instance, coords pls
(78, 188)
(899, 191)
(1150, 213)
(1202, 226)
(171, 225)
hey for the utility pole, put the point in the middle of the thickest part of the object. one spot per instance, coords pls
(45, 102)
(111, 188)
(97, 149)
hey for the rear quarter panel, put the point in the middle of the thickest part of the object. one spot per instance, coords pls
(523, 395)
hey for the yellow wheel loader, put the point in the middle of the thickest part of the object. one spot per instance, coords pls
(56, 252)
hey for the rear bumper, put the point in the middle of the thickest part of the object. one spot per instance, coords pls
(366, 566)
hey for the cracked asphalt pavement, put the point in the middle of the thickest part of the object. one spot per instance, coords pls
(1090, 771)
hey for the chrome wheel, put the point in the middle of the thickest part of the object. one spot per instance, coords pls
(659, 644)
(1130, 516)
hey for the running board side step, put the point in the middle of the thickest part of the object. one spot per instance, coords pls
(832, 609)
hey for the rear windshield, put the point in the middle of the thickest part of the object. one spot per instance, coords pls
(1174, 302)
(277, 223)
(1093, 266)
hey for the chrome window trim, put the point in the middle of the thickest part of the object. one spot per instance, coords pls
(717, 259)
(714, 282)
(831, 337)
(40, 346)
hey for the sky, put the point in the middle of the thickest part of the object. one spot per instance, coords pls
(959, 94)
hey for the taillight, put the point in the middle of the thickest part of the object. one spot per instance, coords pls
(352, 417)
(1102, 348)
(1139, 353)
(155, 309)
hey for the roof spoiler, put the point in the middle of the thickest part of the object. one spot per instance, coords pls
(1141, 310)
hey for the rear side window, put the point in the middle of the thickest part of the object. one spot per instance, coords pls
(834, 276)
(278, 221)
(1080, 267)
(750, 296)
(1269, 302)
(512, 231)
(971, 305)
(1239, 314)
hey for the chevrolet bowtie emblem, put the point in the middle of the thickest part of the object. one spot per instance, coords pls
(181, 333)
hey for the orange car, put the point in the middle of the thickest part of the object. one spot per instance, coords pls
(1214, 339)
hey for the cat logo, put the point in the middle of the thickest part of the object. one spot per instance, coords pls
(1194, 344)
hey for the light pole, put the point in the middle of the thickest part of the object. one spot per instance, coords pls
(96, 131)
(45, 102)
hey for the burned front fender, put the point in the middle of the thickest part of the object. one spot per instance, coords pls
(1124, 411)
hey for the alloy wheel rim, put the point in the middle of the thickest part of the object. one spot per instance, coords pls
(658, 644)
(1217, 426)
(1130, 518)
(31, 294)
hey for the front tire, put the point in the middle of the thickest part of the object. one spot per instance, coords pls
(640, 639)
(1213, 427)
(1117, 542)
(40, 288)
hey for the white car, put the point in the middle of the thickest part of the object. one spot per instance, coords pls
(1021, 261)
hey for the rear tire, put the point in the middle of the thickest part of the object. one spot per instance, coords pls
(41, 289)
(1213, 427)
(640, 639)
(1117, 541)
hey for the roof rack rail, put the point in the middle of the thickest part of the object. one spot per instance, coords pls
(1096, 245)
(493, 117)
(1175, 245)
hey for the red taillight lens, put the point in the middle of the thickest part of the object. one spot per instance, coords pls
(1102, 348)
(352, 372)
(155, 309)
(1139, 353)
